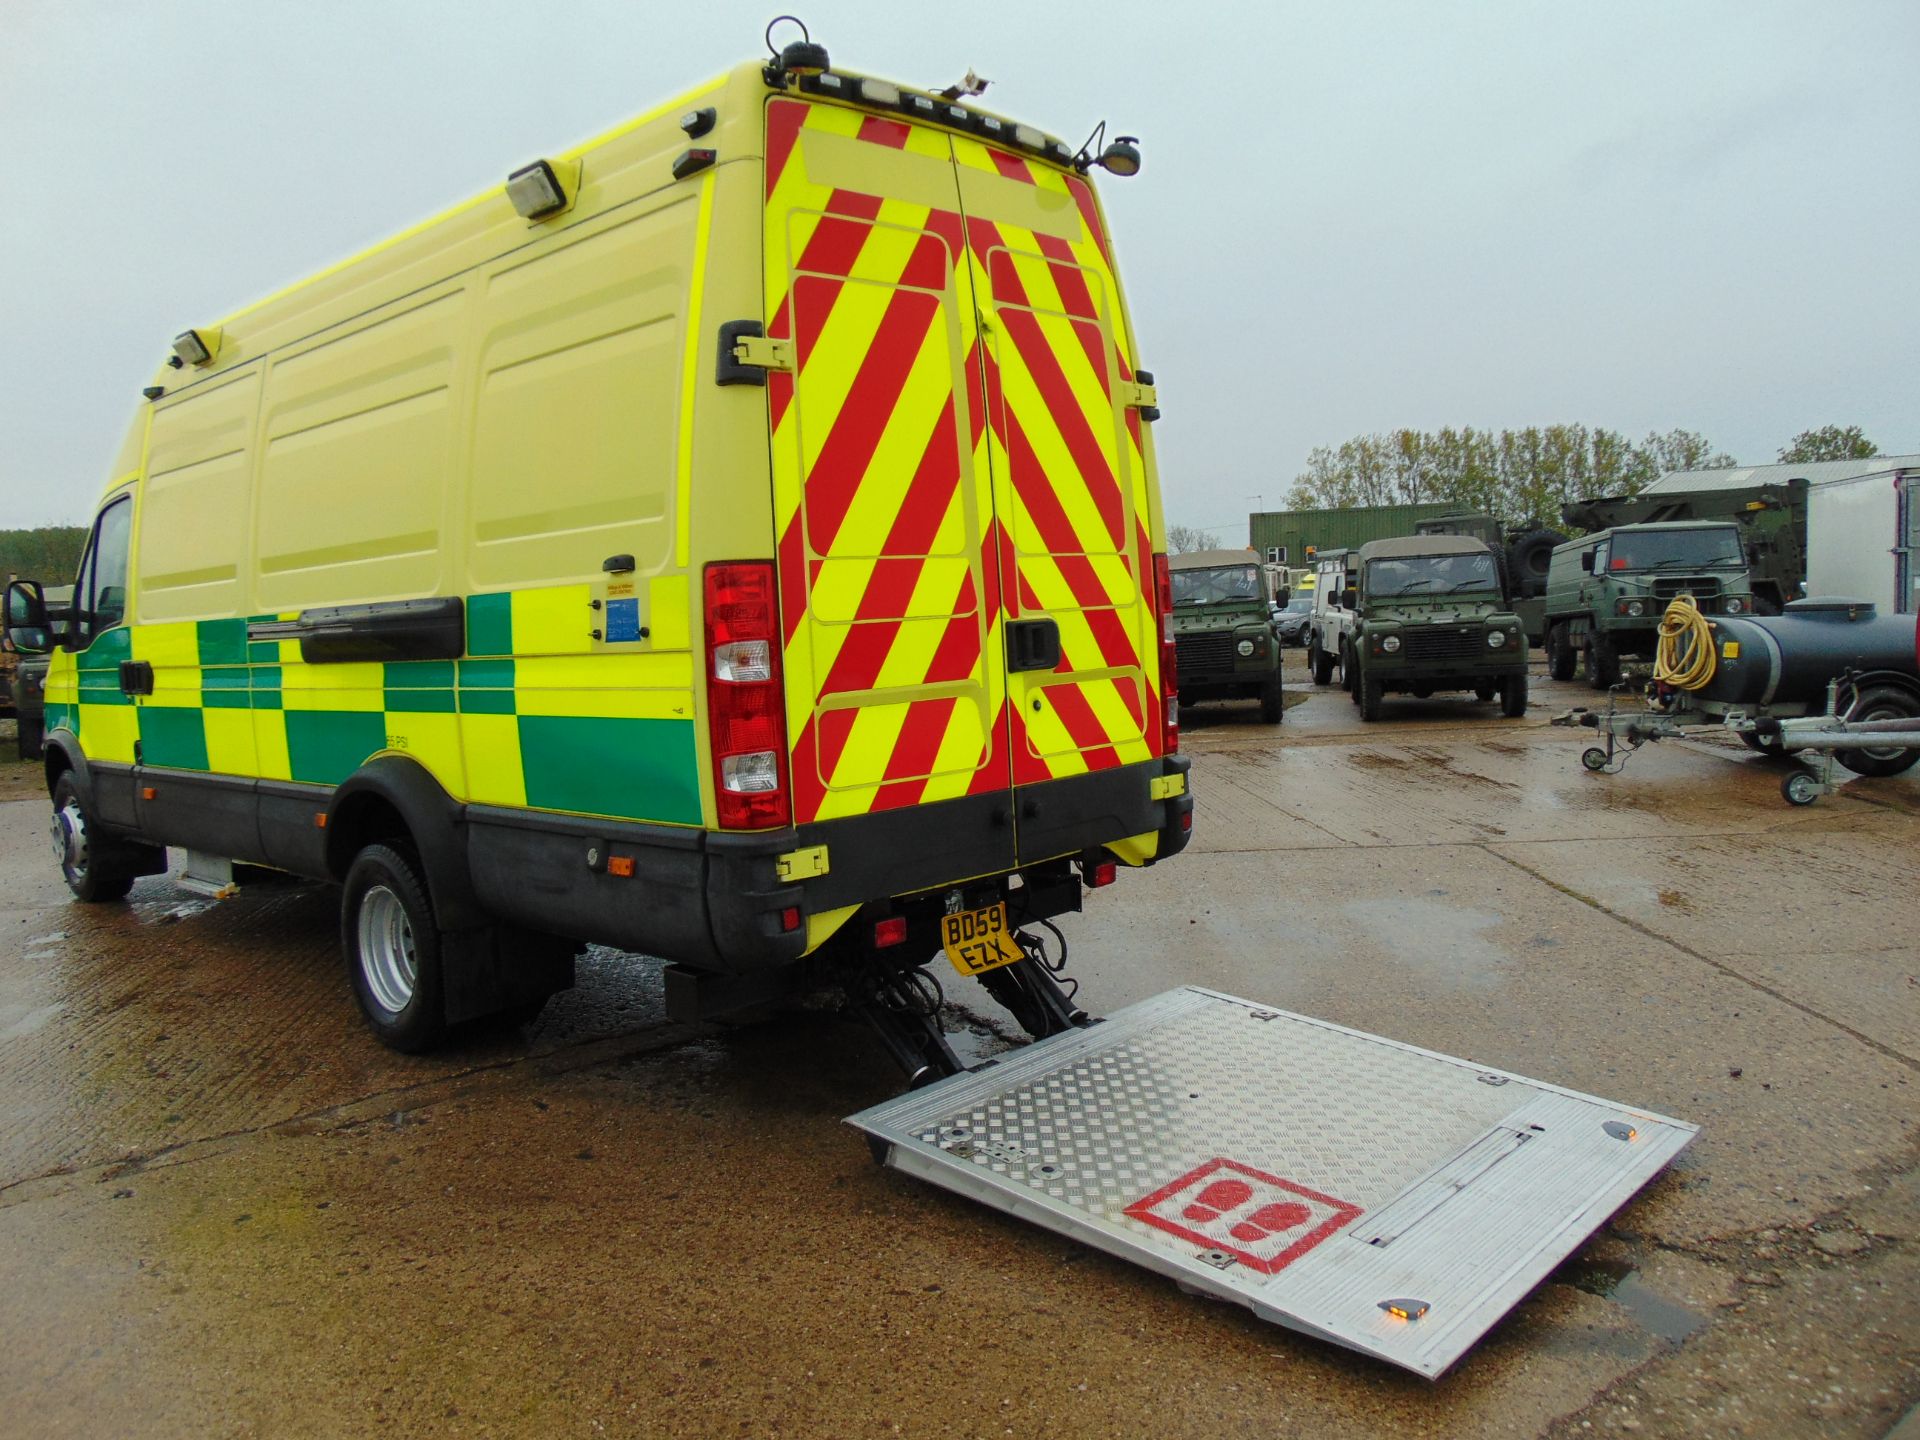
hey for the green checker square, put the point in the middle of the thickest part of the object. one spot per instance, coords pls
(487, 674)
(433, 702)
(634, 769)
(222, 642)
(174, 737)
(324, 747)
(417, 674)
(226, 699)
(266, 699)
(490, 624)
(486, 702)
(106, 652)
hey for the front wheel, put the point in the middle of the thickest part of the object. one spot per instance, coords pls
(1513, 697)
(95, 872)
(1799, 788)
(1594, 758)
(1273, 704)
(1560, 656)
(393, 948)
(1372, 691)
(1603, 663)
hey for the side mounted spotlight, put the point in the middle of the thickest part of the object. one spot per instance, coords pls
(1122, 157)
(544, 189)
(797, 57)
(195, 347)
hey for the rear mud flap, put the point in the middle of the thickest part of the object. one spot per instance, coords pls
(1383, 1197)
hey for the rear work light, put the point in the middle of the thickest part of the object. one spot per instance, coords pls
(1169, 674)
(746, 712)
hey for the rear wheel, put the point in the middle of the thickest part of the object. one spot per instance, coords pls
(1881, 702)
(1321, 663)
(394, 948)
(1485, 693)
(95, 871)
(1273, 705)
(1560, 655)
(1513, 697)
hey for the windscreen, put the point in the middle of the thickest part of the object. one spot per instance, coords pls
(1217, 583)
(1430, 575)
(1675, 549)
(1300, 605)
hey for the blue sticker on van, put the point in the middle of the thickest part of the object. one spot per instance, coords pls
(623, 620)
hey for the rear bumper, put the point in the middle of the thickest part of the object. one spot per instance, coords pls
(715, 901)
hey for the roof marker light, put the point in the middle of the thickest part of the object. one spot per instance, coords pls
(831, 84)
(196, 347)
(1031, 138)
(698, 122)
(921, 104)
(880, 92)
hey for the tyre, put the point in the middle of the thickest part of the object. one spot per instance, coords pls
(1321, 663)
(1513, 696)
(1768, 745)
(1273, 705)
(1799, 788)
(1560, 656)
(94, 868)
(1594, 758)
(1347, 667)
(1371, 692)
(1485, 693)
(1881, 702)
(1527, 560)
(1603, 663)
(393, 948)
(31, 737)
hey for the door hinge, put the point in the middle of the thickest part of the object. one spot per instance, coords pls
(807, 863)
(746, 354)
(1165, 787)
(1139, 394)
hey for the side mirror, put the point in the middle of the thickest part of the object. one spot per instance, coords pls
(26, 627)
(1586, 562)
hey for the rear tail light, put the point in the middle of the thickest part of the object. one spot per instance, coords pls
(1169, 676)
(1100, 873)
(890, 931)
(746, 713)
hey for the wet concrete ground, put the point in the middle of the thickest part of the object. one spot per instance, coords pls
(225, 1210)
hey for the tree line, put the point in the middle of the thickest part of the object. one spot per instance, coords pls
(50, 554)
(1524, 476)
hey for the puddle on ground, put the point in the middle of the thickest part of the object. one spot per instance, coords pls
(1620, 1282)
(1446, 942)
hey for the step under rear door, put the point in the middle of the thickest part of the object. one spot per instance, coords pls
(1380, 1196)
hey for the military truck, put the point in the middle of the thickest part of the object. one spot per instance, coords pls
(1430, 614)
(24, 681)
(1607, 591)
(1224, 641)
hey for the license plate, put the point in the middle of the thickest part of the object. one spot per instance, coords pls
(979, 940)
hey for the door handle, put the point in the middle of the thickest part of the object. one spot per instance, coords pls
(136, 677)
(1032, 645)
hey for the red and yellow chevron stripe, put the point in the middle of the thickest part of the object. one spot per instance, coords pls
(948, 455)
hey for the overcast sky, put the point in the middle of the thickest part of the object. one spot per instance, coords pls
(1352, 216)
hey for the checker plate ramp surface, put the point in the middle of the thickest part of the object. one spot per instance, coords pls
(1309, 1172)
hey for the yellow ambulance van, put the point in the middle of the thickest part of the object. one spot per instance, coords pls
(735, 539)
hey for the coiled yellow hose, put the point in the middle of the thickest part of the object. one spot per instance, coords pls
(1685, 658)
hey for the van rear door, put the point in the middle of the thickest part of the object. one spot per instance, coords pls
(960, 495)
(1069, 479)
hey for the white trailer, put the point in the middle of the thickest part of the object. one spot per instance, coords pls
(1863, 522)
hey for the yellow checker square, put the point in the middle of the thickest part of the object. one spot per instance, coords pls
(231, 744)
(492, 746)
(433, 739)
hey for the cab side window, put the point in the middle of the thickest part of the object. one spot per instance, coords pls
(1600, 561)
(100, 592)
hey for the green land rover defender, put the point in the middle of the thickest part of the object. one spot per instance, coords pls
(1430, 614)
(1223, 630)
